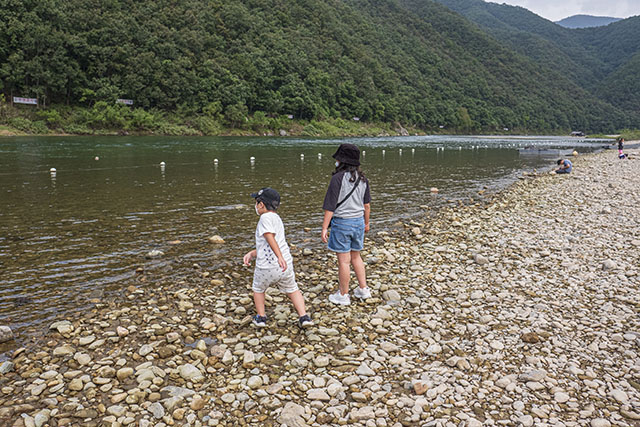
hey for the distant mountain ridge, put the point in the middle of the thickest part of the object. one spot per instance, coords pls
(600, 60)
(587, 21)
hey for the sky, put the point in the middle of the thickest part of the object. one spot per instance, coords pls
(556, 10)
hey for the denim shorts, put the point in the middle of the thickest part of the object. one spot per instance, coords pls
(347, 234)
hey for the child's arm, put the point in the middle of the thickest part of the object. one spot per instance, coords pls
(325, 224)
(249, 256)
(367, 212)
(271, 240)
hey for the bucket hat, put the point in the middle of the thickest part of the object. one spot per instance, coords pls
(348, 154)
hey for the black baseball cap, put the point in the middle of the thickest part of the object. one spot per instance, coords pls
(269, 196)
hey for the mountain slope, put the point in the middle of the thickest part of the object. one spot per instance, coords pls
(586, 21)
(415, 62)
(591, 57)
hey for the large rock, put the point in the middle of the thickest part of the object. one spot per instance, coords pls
(6, 334)
(190, 373)
(292, 415)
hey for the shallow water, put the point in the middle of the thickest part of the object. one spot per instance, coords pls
(67, 237)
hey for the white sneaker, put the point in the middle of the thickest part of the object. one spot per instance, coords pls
(339, 299)
(362, 293)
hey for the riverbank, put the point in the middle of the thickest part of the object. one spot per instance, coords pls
(116, 120)
(520, 310)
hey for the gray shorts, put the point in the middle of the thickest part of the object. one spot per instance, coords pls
(265, 277)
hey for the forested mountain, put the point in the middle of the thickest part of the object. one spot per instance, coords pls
(413, 61)
(586, 21)
(593, 58)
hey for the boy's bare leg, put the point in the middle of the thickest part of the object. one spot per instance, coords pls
(258, 299)
(358, 268)
(298, 302)
(344, 272)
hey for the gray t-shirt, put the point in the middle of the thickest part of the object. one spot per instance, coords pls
(339, 187)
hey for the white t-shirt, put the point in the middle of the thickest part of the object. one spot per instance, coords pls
(270, 222)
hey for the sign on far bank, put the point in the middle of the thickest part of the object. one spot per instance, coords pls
(18, 100)
(125, 101)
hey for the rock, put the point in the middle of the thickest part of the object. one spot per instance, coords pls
(6, 367)
(480, 259)
(76, 384)
(561, 397)
(116, 410)
(609, 265)
(530, 337)
(526, 420)
(391, 296)
(228, 397)
(154, 254)
(145, 349)
(620, 396)
(254, 382)
(63, 327)
(365, 370)
(362, 414)
(600, 422)
(248, 360)
(535, 375)
(122, 332)
(197, 403)
(321, 361)
(292, 415)
(216, 240)
(434, 349)
(420, 388)
(63, 350)
(434, 190)
(87, 340)
(157, 410)
(41, 418)
(318, 394)
(124, 373)
(82, 358)
(6, 334)
(190, 373)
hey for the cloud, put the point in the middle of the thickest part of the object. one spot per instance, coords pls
(556, 10)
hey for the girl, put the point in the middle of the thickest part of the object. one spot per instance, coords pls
(346, 208)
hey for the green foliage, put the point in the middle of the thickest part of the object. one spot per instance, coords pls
(194, 66)
(26, 125)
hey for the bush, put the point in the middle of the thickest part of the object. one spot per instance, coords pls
(26, 125)
(207, 125)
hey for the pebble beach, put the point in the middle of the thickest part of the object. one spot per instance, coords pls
(519, 309)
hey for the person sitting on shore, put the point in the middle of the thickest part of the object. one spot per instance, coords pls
(274, 264)
(565, 166)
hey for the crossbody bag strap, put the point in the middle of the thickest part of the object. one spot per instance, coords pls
(350, 192)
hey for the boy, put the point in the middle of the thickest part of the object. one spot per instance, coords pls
(566, 167)
(274, 263)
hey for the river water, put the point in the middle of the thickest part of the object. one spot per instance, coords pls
(88, 227)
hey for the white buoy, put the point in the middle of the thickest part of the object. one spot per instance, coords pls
(253, 159)
(319, 155)
(413, 150)
(162, 164)
(52, 170)
(215, 161)
(302, 156)
(96, 158)
(383, 152)
(400, 151)
(364, 152)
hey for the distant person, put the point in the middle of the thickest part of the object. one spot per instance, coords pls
(346, 210)
(274, 264)
(565, 166)
(621, 154)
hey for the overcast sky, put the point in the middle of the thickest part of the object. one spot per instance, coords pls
(555, 10)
